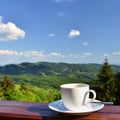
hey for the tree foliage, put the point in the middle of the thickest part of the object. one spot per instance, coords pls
(117, 79)
(25, 92)
(6, 85)
(106, 87)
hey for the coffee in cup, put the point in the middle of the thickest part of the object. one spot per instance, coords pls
(76, 95)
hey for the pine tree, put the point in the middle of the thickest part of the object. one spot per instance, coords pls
(106, 83)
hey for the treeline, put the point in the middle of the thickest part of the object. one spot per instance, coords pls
(25, 92)
(107, 85)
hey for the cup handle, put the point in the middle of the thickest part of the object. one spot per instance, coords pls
(92, 99)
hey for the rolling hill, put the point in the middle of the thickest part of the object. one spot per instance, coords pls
(48, 74)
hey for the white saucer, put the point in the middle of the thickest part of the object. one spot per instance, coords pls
(59, 107)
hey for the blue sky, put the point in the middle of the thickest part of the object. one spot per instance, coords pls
(71, 31)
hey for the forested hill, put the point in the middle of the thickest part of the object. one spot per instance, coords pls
(47, 74)
(49, 68)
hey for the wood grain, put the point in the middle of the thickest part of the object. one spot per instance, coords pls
(12, 110)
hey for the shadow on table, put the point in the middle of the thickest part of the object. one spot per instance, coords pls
(45, 112)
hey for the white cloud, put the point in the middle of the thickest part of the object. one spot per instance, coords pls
(24, 54)
(116, 53)
(51, 35)
(74, 33)
(76, 56)
(55, 54)
(11, 56)
(73, 56)
(87, 54)
(8, 52)
(85, 43)
(37, 54)
(10, 31)
(106, 55)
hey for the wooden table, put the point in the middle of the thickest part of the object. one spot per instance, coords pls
(11, 110)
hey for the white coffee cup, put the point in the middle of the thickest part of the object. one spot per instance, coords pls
(75, 96)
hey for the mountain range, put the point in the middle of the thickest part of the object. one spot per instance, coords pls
(48, 73)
